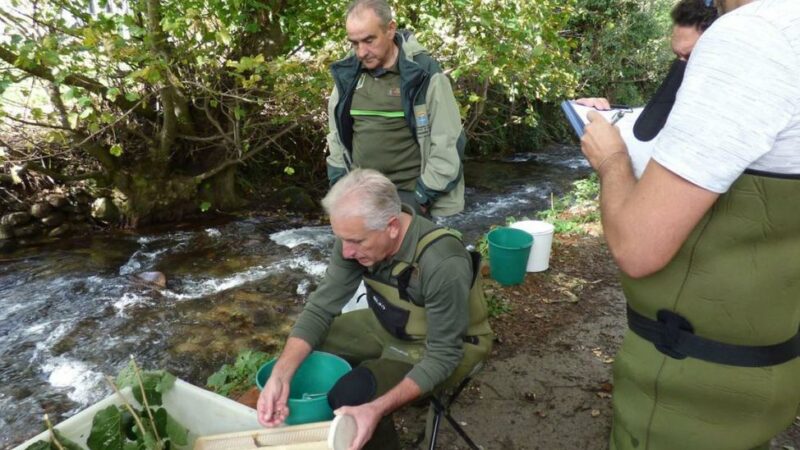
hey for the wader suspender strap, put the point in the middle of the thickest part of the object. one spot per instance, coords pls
(674, 336)
(403, 271)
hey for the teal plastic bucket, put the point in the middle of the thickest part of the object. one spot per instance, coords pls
(509, 249)
(308, 395)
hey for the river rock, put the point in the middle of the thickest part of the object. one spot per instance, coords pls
(69, 208)
(297, 199)
(5, 233)
(57, 200)
(15, 219)
(53, 220)
(41, 209)
(80, 196)
(7, 245)
(104, 209)
(27, 230)
(60, 230)
(154, 278)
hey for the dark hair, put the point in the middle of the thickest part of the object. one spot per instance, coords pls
(694, 13)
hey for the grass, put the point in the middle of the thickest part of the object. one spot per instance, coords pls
(497, 306)
(576, 208)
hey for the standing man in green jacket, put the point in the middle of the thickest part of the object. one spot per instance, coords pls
(393, 110)
(426, 327)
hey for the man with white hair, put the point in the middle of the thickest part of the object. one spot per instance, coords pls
(426, 325)
(708, 241)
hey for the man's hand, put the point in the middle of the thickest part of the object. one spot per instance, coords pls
(601, 142)
(273, 408)
(367, 417)
(594, 102)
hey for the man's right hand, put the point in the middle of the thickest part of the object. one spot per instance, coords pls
(273, 407)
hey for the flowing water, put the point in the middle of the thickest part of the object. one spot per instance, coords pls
(75, 310)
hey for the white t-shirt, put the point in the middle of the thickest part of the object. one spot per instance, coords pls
(739, 104)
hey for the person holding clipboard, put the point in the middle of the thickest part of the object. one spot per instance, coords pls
(690, 18)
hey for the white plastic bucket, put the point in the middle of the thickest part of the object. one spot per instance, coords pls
(542, 232)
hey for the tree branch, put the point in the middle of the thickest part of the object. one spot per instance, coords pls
(270, 140)
(38, 124)
(77, 81)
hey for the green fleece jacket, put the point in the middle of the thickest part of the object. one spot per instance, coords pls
(431, 113)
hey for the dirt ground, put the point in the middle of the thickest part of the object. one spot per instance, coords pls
(548, 383)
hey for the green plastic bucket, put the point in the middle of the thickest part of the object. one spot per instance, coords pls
(509, 249)
(308, 399)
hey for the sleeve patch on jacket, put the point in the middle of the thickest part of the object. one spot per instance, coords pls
(423, 124)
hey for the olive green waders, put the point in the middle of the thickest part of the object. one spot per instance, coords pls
(359, 338)
(737, 281)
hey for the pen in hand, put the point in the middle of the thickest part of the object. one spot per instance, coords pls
(618, 116)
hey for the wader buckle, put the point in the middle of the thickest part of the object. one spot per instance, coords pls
(670, 336)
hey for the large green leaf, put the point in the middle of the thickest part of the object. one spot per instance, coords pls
(39, 445)
(178, 434)
(107, 432)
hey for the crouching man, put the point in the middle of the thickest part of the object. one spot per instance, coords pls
(426, 327)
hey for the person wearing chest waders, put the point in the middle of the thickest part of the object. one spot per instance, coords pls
(708, 242)
(393, 110)
(426, 327)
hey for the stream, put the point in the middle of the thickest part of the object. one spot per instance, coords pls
(74, 310)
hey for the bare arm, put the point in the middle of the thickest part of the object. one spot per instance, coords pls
(369, 414)
(272, 405)
(645, 223)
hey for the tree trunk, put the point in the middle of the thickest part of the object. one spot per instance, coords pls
(144, 199)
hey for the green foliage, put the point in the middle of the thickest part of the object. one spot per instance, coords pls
(187, 86)
(621, 47)
(239, 377)
(152, 427)
(154, 382)
(115, 428)
(107, 431)
(497, 305)
(584, 193)
(67, 444)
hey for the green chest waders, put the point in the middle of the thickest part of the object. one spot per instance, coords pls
(711, 360)
(397, 313)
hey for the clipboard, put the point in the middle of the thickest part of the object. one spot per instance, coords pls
(622, 116)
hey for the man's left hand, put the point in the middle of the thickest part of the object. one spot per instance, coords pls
(367, 417)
